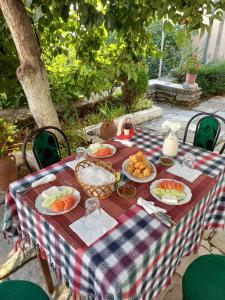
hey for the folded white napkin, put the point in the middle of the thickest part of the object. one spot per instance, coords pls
(125, 143)
(44, 179)
(89, 236)
(72, 164)
(188, 174)
(149, 206)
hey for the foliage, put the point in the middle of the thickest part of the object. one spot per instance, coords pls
(186, 53)
(92, 26)
(110, 111)
(11, 93)
(7, 137)
(173, 43)
(103, 43)
(76, 133)
(192, 65)
(140, 86)
(141, 104)
(211, 79)
(74, 126)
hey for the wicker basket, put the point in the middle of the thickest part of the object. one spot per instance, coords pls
(100, 191)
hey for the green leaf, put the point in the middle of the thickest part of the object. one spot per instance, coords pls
(168, 26)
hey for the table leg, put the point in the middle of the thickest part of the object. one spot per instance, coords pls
(46, 272)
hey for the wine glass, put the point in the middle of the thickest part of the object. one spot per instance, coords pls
(92, 213)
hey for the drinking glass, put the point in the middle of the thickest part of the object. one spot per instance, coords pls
(81, 153)
(92, 213)
(188, 162)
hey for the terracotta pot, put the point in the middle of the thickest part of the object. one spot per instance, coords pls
(191, 78)
(8, 171)
(108, 130)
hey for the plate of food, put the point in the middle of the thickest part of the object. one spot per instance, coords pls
(98, 150)
(138, 168)
(57, 200)
(171, 191)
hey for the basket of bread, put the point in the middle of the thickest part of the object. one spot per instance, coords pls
(97, 178)
(138, 168)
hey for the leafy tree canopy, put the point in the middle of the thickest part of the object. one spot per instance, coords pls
(112, 35)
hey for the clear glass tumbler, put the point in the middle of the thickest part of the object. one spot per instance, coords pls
(92, 213)
(188, 162)
(81, 153)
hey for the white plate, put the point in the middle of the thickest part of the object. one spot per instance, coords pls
(46, 211)
(143, 180)
(90, 153)
(186, 190)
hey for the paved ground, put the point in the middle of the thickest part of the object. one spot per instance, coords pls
(213, 242)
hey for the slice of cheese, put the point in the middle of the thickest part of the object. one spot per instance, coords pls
(52, 191)
(169, 199)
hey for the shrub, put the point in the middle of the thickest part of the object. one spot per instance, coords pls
(211, 78)
(141, 104)
(8, 135)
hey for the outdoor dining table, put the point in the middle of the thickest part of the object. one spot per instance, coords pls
(137, 258)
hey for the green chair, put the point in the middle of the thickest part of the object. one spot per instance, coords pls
(45, 146)
(204, 279)
(21, 290)
(207, 131)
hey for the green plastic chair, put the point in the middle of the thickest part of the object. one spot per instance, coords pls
(21, 290)
(204, 279)
(207, 131)
(45, 146)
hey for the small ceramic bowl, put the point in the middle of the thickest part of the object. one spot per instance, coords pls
(167, 161)
(126, 191)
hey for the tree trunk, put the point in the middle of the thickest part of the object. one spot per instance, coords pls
(31, 72)
(128, 92)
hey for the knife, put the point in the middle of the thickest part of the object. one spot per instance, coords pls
(163, 219)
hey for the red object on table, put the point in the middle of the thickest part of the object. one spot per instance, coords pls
(126, 137)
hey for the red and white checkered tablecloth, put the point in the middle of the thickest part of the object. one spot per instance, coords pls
(137, 258)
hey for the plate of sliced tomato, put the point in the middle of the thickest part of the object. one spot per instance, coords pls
(179, 192)
(103, 151)
(62, 201)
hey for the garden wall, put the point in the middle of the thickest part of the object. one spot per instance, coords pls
(174, 93)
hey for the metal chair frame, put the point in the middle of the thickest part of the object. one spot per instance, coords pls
(33, 134)
(198, 124)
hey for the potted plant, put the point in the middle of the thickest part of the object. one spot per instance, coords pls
(8, 169)
(191, 67)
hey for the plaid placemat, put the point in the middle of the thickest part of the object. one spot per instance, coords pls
(137, 259)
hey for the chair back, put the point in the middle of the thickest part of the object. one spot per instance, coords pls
(46, 149)
(207, 133)
(45, 146)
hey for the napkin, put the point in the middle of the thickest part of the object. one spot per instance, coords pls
(188, 174)
(149, 206)
(44, 179)
(173, 125)
(125, 143)
(89, 236)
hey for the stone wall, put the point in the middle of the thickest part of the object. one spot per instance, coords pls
(174, 93)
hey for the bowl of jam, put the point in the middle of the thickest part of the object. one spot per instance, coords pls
(126, 191)
(167, 161)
